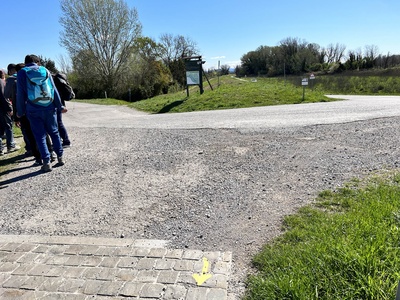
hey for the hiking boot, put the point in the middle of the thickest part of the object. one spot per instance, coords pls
(66, 145)
(1, 152)
(53, 156)
(12, 149)
(46, 168)
(38, 162)
(61, 161)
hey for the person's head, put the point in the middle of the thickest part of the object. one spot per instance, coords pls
(11, 69)
(2, 74)
(19, 66)
(32, 58)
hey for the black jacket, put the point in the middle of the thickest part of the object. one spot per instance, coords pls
(5, 104)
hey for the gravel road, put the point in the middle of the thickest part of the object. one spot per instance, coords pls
(203, 180)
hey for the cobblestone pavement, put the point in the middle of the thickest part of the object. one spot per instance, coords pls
(37, 267)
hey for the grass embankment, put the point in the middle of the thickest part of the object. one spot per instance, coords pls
(347, 246)
(231, 93)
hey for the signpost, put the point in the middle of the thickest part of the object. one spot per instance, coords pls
(194, 73)
(304, 83)
(312, 78)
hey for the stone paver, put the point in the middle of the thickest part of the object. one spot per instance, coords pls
(37, 267)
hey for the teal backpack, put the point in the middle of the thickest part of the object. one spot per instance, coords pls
(40, 88)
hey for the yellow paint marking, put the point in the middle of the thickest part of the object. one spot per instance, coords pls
(204, 275)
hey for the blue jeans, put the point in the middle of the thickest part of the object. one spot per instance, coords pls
(6, 127)
(61, 129)
(42, 122)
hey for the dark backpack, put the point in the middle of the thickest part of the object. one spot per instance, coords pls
(63, 87)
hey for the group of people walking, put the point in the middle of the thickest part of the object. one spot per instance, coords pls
(34, 99)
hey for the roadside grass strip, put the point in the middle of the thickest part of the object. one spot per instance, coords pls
(346, 246)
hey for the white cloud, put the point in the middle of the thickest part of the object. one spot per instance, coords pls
(218, 57)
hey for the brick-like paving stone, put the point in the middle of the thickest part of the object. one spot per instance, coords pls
(37, 267)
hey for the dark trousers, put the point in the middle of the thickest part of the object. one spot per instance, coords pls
(61, 129)
(28, 135)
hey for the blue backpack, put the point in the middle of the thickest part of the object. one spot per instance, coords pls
(40, 88)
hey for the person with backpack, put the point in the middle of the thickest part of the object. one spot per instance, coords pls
(38, 99)
(23, 122)
(66, 93)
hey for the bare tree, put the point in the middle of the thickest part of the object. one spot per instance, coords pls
(371, 55)
(173, 49)
(334, 53)
(176, 47)
(105, 30)
(371, 51)
(64, 64)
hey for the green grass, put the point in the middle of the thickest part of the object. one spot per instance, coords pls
(360, 85)
(9, 160)
(345, 247)
(232, 93)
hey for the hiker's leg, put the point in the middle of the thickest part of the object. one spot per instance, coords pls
(36, 121)
(52, 130)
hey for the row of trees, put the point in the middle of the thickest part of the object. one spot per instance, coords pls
(109, 54)
(295, 56)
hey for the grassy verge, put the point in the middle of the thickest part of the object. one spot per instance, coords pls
(359, 85)
(345, 247)
(9, 160)
(231, 93)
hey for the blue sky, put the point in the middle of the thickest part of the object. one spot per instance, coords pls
(224, 30)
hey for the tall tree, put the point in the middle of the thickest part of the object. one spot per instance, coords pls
(371, 55)
(48, 63)
(173, 50)
(335, 53)
(103, 30)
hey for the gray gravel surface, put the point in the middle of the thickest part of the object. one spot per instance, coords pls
(200, 188)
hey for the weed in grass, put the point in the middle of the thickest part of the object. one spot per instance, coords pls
(324, 254)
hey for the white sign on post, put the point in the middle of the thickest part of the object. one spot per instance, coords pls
(312, 76)
(304, 81)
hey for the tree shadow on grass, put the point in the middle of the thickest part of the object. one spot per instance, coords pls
(170, 106)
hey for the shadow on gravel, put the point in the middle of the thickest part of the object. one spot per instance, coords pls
(170, 106)
(11, 160)
(14, 160)
(4, 183)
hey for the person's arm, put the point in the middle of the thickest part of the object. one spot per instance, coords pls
(21, 93)
(8, 95)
